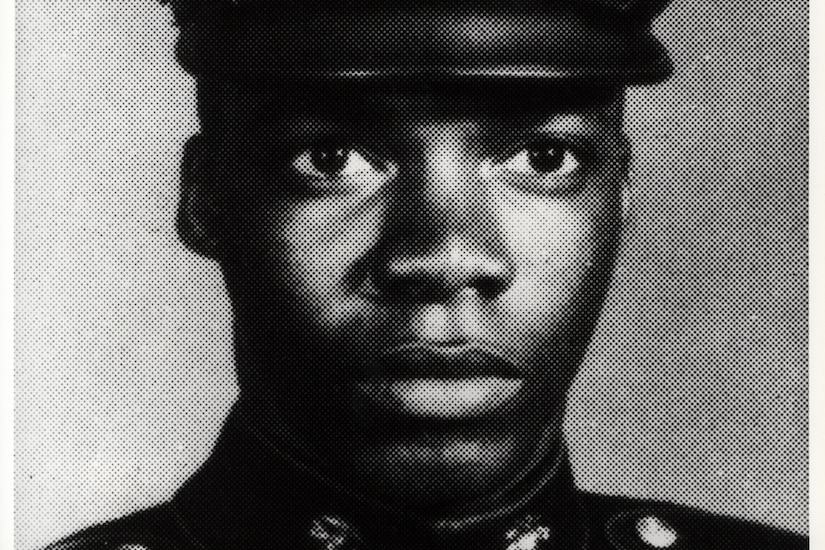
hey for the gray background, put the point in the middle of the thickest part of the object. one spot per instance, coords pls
(695, 387)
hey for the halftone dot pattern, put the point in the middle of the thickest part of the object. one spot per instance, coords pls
(471, 206)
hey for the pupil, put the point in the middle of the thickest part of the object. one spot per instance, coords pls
(329, 161)
(546, 158)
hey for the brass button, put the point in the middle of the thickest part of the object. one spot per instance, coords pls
(655, 532)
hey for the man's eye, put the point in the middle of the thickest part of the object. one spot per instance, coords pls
(332, 163)
(543, 159)
(545, 167)
(341, 170)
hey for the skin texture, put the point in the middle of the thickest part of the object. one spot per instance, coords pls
(442, 218)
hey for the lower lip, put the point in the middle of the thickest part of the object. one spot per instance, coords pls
(445, 398)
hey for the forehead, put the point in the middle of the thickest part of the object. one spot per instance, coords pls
(392, 106)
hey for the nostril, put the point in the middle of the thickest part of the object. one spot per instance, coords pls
(437, 289)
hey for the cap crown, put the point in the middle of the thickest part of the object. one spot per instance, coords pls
(368, 39)
(186, 9)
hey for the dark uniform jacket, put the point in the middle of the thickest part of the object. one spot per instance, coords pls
(239, 500)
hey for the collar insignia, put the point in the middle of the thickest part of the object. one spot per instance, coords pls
(528, 534)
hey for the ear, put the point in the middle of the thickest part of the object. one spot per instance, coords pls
(198, 222)
(626, 163)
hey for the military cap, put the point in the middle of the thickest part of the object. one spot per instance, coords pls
(424, 39)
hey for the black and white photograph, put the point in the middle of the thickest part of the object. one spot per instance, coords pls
(411, 275)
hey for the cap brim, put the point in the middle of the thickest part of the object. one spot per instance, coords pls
(443, 46)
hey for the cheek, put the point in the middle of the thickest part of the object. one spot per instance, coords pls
(560, 248)
(314, 247)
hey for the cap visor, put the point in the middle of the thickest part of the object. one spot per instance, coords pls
(443, 46)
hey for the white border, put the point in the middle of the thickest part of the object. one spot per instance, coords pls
(816, 233)
(7, 38)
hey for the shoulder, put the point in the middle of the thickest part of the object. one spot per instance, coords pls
(637, 524)
(151, 529)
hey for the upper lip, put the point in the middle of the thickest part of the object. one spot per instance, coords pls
(426, 360)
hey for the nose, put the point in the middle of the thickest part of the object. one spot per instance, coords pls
(442, 236)
(442, 272)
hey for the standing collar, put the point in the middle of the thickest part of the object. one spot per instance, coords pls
(252, 493)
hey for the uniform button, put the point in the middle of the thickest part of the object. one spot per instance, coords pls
(655, 532)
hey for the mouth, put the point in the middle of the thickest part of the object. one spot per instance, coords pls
(441, 382)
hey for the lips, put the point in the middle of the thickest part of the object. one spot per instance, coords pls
(445, 382)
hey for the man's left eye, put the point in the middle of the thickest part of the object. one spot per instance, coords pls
(545, 167)
(544, 159)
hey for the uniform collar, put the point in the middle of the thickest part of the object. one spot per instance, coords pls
(250, 494)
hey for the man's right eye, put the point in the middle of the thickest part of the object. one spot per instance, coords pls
(331, 162)
(341, 169)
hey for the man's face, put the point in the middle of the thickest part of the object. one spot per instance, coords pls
(415, 275)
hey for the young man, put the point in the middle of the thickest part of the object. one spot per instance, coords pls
(416, 209)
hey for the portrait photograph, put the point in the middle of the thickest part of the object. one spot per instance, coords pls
(413, 275)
